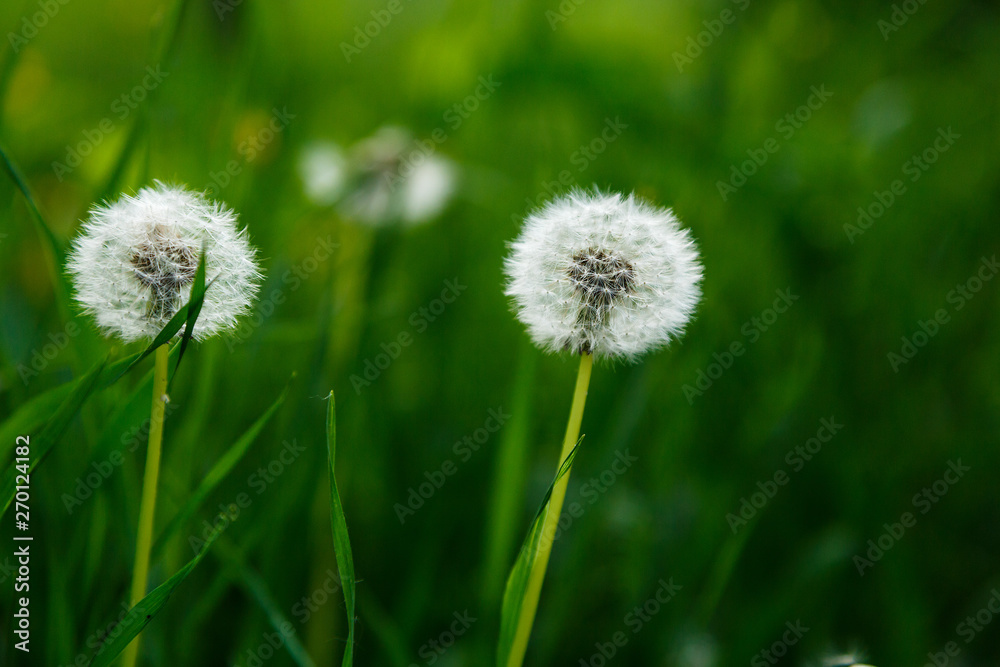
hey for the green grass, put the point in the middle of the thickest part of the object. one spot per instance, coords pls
(236, 426)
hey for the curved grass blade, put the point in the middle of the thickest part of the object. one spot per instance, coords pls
(341, 541)
(51, 240)
(517, 582)
(33, 415)
(198, 290)
(218, 472)
(55, 249)
(139, 616)
(52, 432)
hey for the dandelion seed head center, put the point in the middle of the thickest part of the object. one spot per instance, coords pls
(601, 278)
(164, 263)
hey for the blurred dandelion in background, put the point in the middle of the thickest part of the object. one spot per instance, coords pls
(383, 179)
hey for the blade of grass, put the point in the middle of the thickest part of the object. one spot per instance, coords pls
(52, 432)
(54, 248)
(341, 541)
(139, 616)
(198, 290)
(32, 416)
(517, 582)
(218, 472)
(52, 243)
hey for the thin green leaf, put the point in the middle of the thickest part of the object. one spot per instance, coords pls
(341, 541)
(198, 290)
(52, 241)
(33, 415)
(517, 582)
(218, 472)
(52, 432)
(139, 616)
(55, 249)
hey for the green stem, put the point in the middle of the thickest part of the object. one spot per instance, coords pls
(538, 567)
(147, 507)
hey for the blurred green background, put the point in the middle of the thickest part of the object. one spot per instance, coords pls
(700, 88)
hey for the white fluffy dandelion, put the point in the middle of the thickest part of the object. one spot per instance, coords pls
(323, 169)
(135, 262)
(393, 179)
(603, 274)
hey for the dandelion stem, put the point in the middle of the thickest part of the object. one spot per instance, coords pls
(527, 616)
(147, 506)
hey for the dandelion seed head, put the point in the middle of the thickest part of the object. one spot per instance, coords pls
(603, 273)
(135, 261)
(323, 169)
(396, 179)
